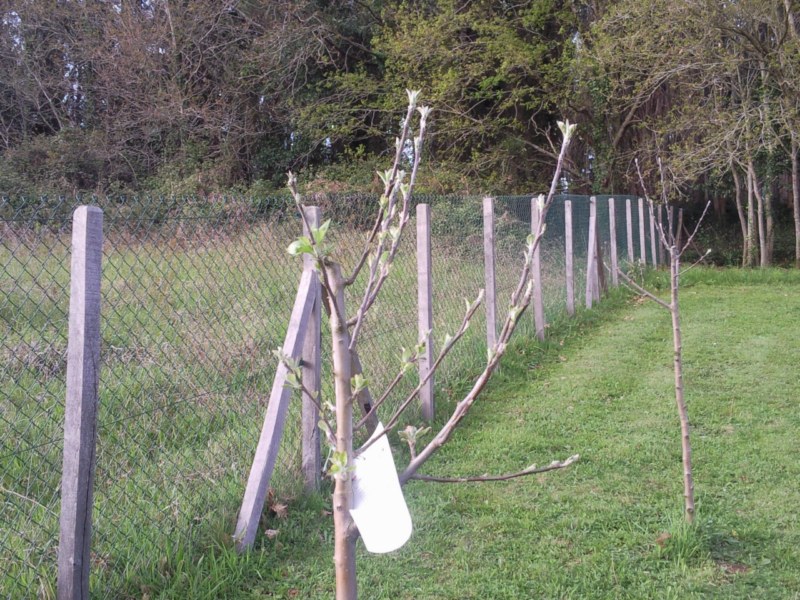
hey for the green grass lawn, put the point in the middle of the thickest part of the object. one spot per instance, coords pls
(611, 525)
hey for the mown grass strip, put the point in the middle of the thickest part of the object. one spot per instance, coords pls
(610, 526)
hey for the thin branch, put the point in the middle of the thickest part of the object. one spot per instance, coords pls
(373, 287)
(696, 228)
(320, 410)
(637, 288)
(298, 201)
(533, 469)
(27, 499)
(658, 226)
(666, 243)
(696, 249)
(316, 400)
(392, 422)
(697, 262)
(512, 319)
(397, 379)
(389, 191)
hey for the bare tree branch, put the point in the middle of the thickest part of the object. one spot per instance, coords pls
(533, 469)
(639, 289)
(696, 228)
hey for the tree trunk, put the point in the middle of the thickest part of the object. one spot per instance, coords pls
(762, 230)
(766, 223)
(344, 556)
(751, 223)
(793, 28)
(796, 199)
(686, 448)
(742, 219)
(762, 234)
(770, 222)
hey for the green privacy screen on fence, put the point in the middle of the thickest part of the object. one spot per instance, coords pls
(195, 296)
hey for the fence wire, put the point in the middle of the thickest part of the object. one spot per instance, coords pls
(196, 294)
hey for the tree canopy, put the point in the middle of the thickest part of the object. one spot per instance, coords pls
(202, 96)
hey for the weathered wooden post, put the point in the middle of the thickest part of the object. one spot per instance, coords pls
(659, 245)
(269, 441)
(489, 273)
(591, 254)
(612, 232)
(311, 367)
(536, 274)
(570, 270)
(642, 245)
(671, 222)
(599, 267)
(80, 412)
(629, 230)
(653, 254)
(425, 307)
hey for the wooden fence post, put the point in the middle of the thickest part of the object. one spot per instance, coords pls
(629, 230)
(425, 307)
(642, 244)
(612, 232)
(536, 274)
(80, 416)
(570, 271)
(591, 254)
(489, 273)
(659, 245)
(671, 221)
(653, 254)
(600, 267)
(311, 367)
(272, 430)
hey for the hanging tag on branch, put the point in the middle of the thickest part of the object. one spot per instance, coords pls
(379, 508)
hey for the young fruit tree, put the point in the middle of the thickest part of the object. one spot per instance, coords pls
(675, 247)
(338, 422)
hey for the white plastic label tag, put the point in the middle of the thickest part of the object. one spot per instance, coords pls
(379, 508)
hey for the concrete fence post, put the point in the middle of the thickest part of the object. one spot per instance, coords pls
(80, 417)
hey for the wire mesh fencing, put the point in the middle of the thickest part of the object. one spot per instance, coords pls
(196, 294)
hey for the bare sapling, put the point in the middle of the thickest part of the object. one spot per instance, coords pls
(339, 425)
(675, 247)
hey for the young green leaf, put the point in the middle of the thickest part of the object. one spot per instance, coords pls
(357, 383)
(321, 231)
(300, 246)
(292, 381)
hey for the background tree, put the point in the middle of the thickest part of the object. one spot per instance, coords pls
(671, 238)
(176, 97)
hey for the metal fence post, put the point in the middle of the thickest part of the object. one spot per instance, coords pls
(80, 417)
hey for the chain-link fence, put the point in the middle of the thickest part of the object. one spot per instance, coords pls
(196, 294)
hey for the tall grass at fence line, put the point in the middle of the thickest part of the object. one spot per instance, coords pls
(187, 369)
